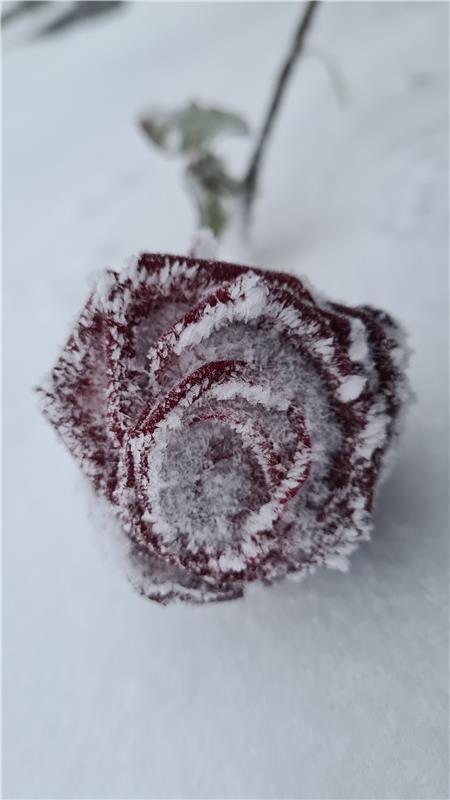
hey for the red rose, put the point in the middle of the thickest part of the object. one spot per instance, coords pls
(236, 423)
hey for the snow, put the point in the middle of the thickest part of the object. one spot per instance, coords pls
(358, 350)
(334, 687)
(204, 244)
(351, 388)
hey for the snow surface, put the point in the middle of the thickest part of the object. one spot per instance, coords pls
(333, 688)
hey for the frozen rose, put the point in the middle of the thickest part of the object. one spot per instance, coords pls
(236, 423)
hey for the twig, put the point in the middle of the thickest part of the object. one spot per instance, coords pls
(251, 178)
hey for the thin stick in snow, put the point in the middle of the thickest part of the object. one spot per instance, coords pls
(250, 181)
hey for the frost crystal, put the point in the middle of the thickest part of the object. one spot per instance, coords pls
(235, 423)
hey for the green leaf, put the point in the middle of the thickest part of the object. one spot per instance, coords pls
(213, 191)
(191, 129)
(213, 214)
(209, 172)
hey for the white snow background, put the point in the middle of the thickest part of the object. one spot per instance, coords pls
(333, 688)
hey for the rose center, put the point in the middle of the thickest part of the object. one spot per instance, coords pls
(207, 479)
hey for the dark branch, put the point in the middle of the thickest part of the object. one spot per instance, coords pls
(250, 181)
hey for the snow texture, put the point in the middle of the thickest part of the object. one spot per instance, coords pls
(332, 688)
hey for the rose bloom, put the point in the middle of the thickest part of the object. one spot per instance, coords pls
(236, 423)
